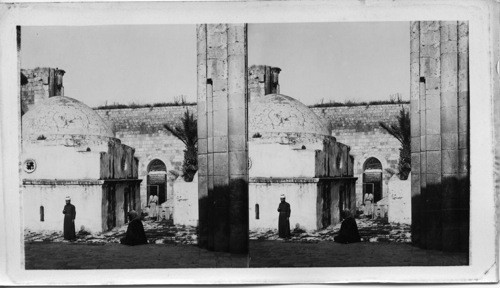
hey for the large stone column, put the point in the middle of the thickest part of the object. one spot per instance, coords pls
(463, 132)
(439, 103)
(415, 121)
(222, 133)
(449, 135)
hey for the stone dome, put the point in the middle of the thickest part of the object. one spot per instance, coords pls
(277, 113)
(59, 116)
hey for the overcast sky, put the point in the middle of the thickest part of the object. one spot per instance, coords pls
(151, 64)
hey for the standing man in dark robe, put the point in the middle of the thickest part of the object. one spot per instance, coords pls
(135, 231)
(348, 229)
(284, 218)
(69, 212)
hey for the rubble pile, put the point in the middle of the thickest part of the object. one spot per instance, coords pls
(370, 230)
(162, 232)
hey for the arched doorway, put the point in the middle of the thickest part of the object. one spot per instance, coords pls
(157, 180)
(372, 178)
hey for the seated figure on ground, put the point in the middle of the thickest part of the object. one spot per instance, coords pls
(348, 229)
(135, 231)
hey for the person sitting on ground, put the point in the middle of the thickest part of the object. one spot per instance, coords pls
(135, 231)
(348, 229)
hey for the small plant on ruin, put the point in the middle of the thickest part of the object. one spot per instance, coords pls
(187, 132)
(257, 135)
(401, 131)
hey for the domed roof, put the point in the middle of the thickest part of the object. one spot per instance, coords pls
(282, 114)
(63, 116)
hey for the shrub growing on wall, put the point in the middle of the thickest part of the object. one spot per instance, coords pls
(187, 132)
(401, 130)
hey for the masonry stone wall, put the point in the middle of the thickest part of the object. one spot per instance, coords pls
(40, 84)
(142, 129)
(355, 126)
(358, 127)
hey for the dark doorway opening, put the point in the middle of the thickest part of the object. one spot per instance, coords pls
(344, 198)
(372, 179)
(157, 180)
(111, 199)
(128, 202)
(326, 196)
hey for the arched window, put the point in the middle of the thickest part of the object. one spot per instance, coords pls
(156, 165)
(372, 163)
(42, 214)
(257, 211)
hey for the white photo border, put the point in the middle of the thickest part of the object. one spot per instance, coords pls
(483, 37)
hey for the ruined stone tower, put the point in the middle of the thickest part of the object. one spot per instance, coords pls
(39, 84)
(440, 134)
(262, 80)
(222, 137)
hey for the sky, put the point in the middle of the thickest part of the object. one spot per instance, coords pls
(142, 64)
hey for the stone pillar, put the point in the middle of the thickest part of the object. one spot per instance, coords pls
(449, 135)
(222, 133)
(21, 78)
(415, 129)
(262, 80)
(463, 133)
(439, 168)
(430, 69)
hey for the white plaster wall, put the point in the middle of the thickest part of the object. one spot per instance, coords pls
(86, 198)
(276, 160)
(56, 162)
(302, 198)
(186, 202)
(399, 210)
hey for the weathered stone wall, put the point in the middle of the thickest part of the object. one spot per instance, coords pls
(363, 118)
(125, 195)
(334, 160)
(118, 162)
(142, 129)
(355, 126)
(41, 83)
(358, 127)
(262, 80)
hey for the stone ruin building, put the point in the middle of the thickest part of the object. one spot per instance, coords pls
(160, 154)
(291, 152)
(68, 150)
